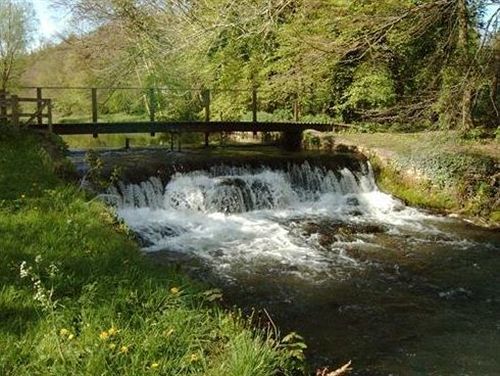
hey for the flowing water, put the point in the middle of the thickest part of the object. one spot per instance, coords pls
(356, 272)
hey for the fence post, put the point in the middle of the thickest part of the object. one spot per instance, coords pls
(39, 105)
(152, 108)
(49, 114)
(296, 110)
(15, 110)
(254, 108)
(94, 111)
(3, 107)
(206, 100)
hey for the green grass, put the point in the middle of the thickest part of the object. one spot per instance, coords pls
(90, 303)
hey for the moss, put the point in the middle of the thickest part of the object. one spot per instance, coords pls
(411, 191)
(495, 216)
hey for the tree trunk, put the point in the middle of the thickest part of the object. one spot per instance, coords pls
(463, 47)
(494, 82)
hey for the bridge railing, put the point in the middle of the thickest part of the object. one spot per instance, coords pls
(98, 104)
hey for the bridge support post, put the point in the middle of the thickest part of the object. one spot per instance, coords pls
(206, 101)
(39, 106)
(152, 108)
(291, 140)
(254, 109)
(94, 111)
(49, 115)
(296, 110)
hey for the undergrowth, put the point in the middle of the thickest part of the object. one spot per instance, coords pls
(77, 297)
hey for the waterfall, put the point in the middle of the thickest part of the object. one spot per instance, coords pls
(246, 219)
(227, 189)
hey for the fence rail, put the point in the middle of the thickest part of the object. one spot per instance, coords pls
(150, 97)
(11, 110)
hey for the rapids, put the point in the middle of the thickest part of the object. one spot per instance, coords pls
(358, 273)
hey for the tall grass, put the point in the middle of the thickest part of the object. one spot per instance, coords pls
(77, 297)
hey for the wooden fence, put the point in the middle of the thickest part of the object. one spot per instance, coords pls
(11, 110)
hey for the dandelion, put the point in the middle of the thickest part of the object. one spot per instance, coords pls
(124, 349)
(154, 365)
(64, 332)
(112, 331)
(71, 336)
(104, 335)
(193, 358)
(174, 290)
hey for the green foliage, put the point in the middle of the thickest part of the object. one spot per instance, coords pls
(448, 169)
(424, 63)
(16, 33)
(372, 88)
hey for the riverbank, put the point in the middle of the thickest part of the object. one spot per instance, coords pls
(77, 296)
(435, 170)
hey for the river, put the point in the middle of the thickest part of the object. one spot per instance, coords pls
(357, 273)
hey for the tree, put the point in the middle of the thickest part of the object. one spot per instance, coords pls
(16, 29)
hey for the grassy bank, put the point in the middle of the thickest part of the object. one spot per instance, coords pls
(77, 297)
(437, 170)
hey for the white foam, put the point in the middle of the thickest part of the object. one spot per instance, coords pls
(237, 216)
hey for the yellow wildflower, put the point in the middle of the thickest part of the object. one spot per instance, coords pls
(71, 336)
(63, 332)
(174, 290)
(124, 349)
(193, 358)
(112, 331)
(154, 365)
(104, 335)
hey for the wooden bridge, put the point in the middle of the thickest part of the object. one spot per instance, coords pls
(11, 111)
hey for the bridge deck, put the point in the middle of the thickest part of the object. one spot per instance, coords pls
(184, 127)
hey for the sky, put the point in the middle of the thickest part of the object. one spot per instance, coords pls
(53, 21)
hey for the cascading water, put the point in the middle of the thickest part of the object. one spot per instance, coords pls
(332, 257)
(232, 216)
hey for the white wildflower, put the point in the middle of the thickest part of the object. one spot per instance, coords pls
(53, 269)
(24, 270)
(40, 293)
